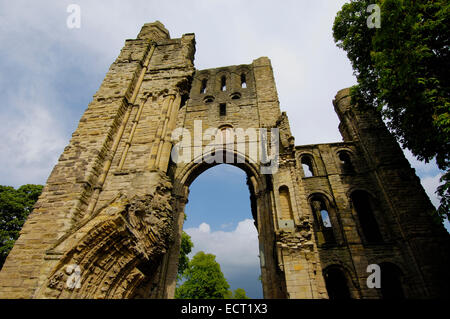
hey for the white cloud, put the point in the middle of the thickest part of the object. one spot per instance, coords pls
(204, 228)
(236, 251)
(32, 137)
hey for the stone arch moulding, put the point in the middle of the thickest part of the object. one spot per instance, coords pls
(120, 252)
(261, 197)
(345, 158)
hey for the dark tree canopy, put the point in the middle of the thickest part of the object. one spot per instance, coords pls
(15, 206)
(402, 70)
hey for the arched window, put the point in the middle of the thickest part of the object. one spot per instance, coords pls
(243, 81)
(307, 165)
(362, 204)
(285, 203)
(223, 83)
(235, 96)
(227, 134)
(323, 220)
(208, 99)
(336, 283)
(203, 87)
(346, 162)
(391, 281)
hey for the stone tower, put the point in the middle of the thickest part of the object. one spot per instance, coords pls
(108, 223)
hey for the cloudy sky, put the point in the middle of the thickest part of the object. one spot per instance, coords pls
(221, 223)
(49, 73)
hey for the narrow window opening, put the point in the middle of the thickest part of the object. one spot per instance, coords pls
(323, 220)
(285, 202)
(223, 109)
(243, 81)
(346, 162)
(223, 83)
(369, 226)
(203, 88)
(307, 166)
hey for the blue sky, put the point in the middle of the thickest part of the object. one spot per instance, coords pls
(49, 73)
(220, 222)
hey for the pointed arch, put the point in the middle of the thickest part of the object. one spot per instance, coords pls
(337, 283)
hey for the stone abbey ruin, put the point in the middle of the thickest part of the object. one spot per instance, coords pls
(109, 220)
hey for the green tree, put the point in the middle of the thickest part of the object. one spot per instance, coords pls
(402, 71)
(185, 249)
(15, 206)
(239, 293)
(204, 279)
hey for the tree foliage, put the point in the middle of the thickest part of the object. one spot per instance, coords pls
(402, 70)
(15, 206)
(239, 293)
(186, 248)
(204, 279)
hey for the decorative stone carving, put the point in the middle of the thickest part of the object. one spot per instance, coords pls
(125, 240)
(55, 281)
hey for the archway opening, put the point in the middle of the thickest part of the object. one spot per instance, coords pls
(220, 220)
(336, 283)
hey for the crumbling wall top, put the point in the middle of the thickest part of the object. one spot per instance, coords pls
(154, 31)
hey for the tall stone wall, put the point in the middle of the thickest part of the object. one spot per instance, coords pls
(110, 160)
